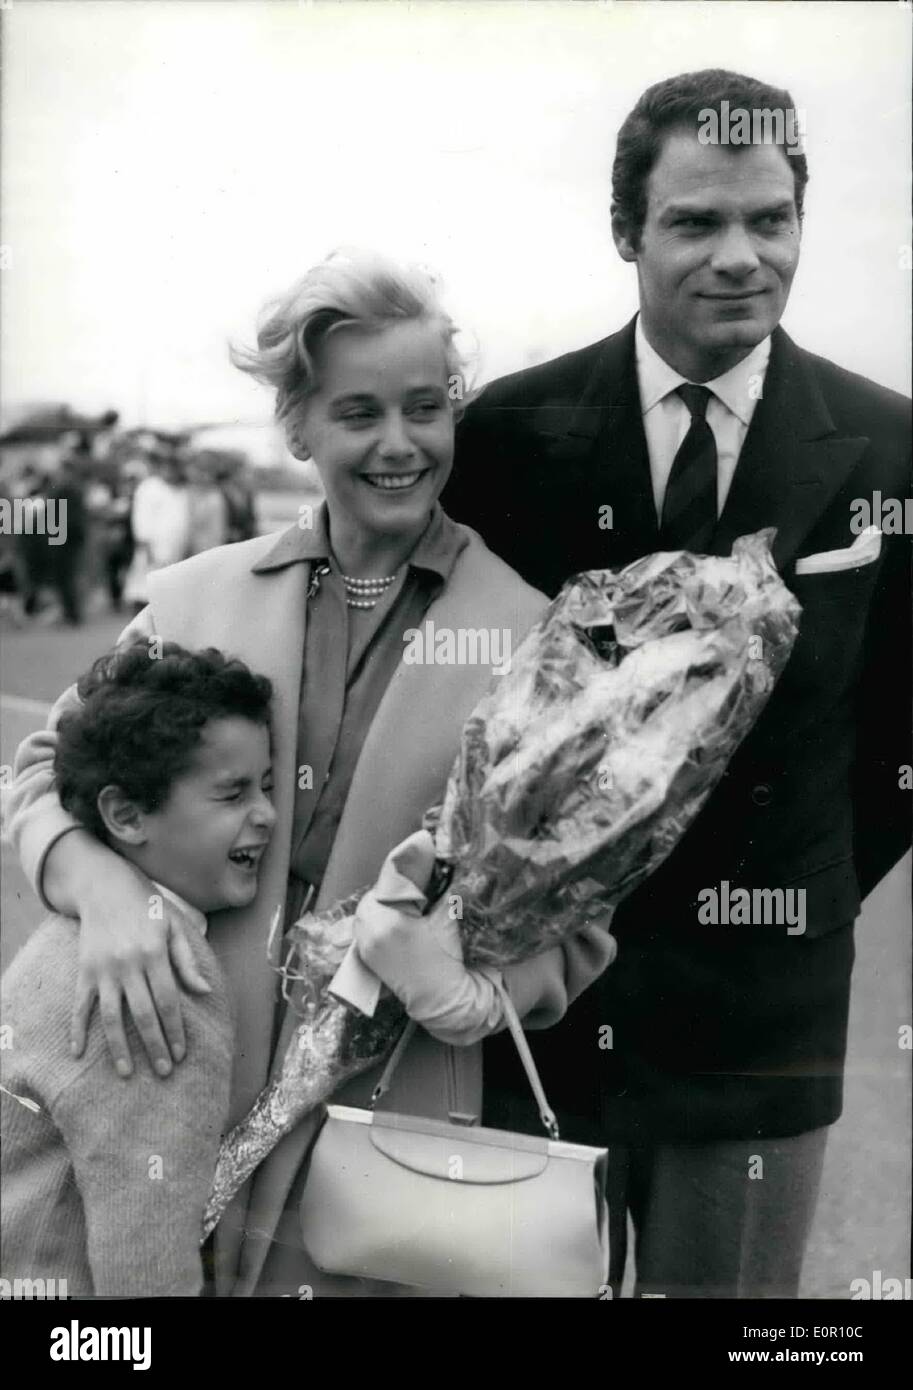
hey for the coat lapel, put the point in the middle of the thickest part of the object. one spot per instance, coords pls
(792, 463)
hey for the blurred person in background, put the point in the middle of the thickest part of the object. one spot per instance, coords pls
(65, 562)
(9, 587)
(208, 525)
(160, 523)
(98, 495)
(238, 491)
(117, 535)
(31, 547)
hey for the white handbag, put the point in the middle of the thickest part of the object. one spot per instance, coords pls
(455, 1208)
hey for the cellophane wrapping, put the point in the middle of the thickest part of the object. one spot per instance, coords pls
(577, 774)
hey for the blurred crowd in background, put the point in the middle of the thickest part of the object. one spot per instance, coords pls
(136, 500)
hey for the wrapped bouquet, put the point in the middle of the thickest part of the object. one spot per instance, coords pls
(577, 774)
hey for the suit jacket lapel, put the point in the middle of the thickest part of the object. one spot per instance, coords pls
(605, 434)
(793, 462)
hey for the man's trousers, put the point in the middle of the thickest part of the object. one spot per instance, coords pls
(728, 1219)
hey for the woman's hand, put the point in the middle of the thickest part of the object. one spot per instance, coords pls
(420, 959)
(125, 951)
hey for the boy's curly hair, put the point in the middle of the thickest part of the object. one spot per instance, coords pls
(141, 719)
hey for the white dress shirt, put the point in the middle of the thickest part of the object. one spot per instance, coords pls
(667, 419)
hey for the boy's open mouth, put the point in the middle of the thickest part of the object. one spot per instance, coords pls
(247, 857)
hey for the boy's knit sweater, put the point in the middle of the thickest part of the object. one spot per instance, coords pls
(104, 1180)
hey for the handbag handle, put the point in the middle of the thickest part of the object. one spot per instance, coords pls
(546, 1113)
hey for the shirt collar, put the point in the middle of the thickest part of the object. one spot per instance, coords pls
(656, 378)
(197, 918)
(436, 551)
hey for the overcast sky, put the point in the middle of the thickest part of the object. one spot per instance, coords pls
(168, 164)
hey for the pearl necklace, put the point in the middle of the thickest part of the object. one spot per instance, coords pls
(366, 593)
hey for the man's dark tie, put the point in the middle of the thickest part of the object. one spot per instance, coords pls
(689, 507)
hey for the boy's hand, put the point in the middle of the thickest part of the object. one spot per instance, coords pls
(124, 953)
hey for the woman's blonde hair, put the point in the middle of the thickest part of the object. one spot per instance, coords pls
(349, 289)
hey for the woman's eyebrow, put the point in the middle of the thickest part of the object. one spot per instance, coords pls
(353, 398)
(433, 388)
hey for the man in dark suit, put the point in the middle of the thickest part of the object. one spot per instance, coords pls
(722, 1063)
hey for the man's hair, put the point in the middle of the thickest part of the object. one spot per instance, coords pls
(141, 721)
(676, 104)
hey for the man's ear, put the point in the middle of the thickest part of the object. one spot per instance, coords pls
(123, 819)
(623, 237)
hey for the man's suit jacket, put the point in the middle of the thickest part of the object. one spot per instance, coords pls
(812, 798)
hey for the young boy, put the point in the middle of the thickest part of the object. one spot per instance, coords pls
(104, 1180)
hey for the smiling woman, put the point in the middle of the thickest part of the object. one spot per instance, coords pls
(363, 358)
(380, 431)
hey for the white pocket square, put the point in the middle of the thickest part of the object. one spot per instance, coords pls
(865, 548)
